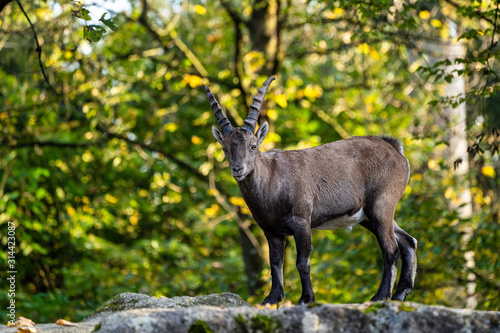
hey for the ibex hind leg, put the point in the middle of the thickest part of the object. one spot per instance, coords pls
(380, 224)
(408, 249)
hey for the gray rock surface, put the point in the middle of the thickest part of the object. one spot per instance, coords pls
(229, 313)
(128, 301)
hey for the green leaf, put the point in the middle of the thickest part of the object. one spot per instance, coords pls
(93, 33)
(83, 13)
(108, 22)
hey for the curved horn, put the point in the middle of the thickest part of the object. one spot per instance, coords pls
(224, 123)
(253, 115)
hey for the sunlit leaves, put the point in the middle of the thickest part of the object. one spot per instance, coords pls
(488, 171)
(200, 9)
(193, 80)
(116, 215)
(108, 22)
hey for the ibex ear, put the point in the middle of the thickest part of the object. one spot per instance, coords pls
(217, 134)
(262, 132)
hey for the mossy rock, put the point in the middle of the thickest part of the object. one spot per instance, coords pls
(200, 327)
(128, 301)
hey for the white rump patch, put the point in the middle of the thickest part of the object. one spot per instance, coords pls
(344, 221)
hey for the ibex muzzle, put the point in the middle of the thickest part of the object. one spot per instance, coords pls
(358, 180)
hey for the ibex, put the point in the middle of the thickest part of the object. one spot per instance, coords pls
(358, 180)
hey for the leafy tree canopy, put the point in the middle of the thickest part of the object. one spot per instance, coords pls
(110, 172)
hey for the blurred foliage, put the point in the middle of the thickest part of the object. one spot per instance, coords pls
(115, 183)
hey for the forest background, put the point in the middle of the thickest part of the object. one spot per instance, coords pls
(109, 170)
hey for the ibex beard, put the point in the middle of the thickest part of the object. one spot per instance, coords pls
(359, 180)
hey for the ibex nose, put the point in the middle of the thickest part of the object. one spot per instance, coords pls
(237, 169)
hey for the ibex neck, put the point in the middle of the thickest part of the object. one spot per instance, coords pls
(257, 179)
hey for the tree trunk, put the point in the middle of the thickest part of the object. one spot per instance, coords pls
(454, 120)
(264, 31)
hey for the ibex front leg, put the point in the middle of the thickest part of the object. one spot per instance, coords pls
(302, 235)
(276, 256)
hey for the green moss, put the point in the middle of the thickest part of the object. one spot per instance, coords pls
(117, 304)
(314, 304)
(374, 307)
(97, 327)
(200, 327)
(240, 319)
(264, 323)
(495, 321)
(406, 308)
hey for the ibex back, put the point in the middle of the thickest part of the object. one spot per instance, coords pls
(353, 181)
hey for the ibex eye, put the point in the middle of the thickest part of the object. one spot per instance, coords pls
(254, 147)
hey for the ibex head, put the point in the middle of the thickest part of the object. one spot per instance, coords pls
(240, 144)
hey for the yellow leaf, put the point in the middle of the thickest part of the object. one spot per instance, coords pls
(364, 48)
(488, 171)
(417, 176)
(370, 99)
(408, 189)
(432, 164)
(111, 199)
(21, 321)
(212, 210)
(65, 323)
(196, 140)
(171, 127)
(333, 14)
(374, 54)
(424, 14)
(87, 156)
(200, 9)
(313, 91)
(436, 23)
(281, 100)
(134, 219)
(193, 80)
(71, 211)
(143, 193)
(339, 11)
(237, 201)
(449, 193)
(272, 114)
(245, 210)
(212, 192)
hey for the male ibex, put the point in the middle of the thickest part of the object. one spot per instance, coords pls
(339, 184)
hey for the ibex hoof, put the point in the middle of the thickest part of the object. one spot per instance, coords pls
(307, 299)
(272, 299)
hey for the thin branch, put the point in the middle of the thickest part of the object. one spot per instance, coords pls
(234, 15)
(49, 144)
(144, 22)
(494, 30)
(5, 176)
(12, 70)
(489, 282)
(280, 26)
(38, 47)
(101, 128)
(478, 12)
(238, 38)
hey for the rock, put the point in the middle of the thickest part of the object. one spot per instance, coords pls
(229, 313)
(369, 317)
(128, 301)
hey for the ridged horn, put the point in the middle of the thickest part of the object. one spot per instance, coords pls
(253, 115)
(224, 123)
